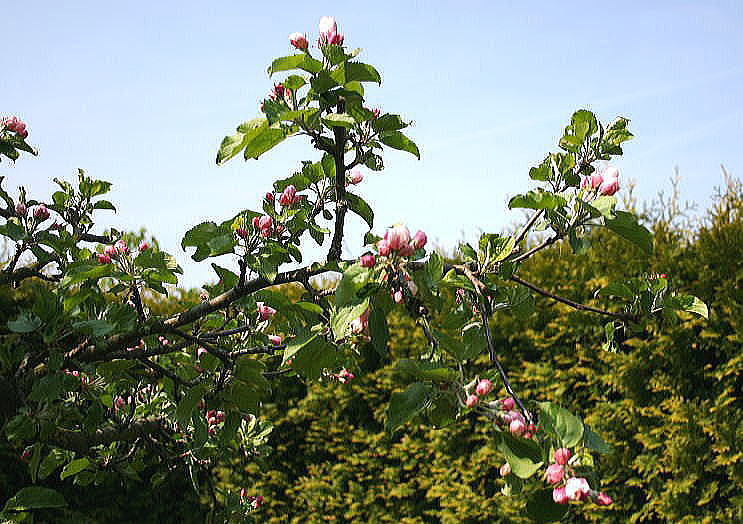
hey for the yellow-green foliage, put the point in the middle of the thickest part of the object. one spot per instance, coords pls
(669, 403)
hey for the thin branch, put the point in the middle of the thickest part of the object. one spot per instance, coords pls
(165, 372)
(81, 442)
(536, 248)
(528, 226)
(571, 303)
(258, 350)
(219, 353)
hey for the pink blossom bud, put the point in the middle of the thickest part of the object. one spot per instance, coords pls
(505, 470)
(256, 222)
(26, 455)
(265, 222)
(577, 488)
(288, 196)
(143, 246)
(266, 232)
(507, 403)
(119, 403)
(201, 352)
(419, 240)
(242, 232)
(269, 197)
(327, 25)
(265, 312)
(592, 181)
(279, 229)
(610, 184)
(554, 473)
(345, 376)
(103, 259)
(361, 324)
(375, 112)
(471, 400)
(355, 177)
(258, 501)
(602, 499)
(483, 387)
(275, 339)
(397, 296)
(398, 237)
(383, 248)
(21, 209)
(262, 106)
(559, 496)
(299, 41)
(517, 427)
(367, 260)
(243, 494)
(203, 296)
(121, 247)
(562, 455)
(41, 213)
(110, 251)
(20, 127)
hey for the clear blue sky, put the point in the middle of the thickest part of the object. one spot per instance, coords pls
(140, 93)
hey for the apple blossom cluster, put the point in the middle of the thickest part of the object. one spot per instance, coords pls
(568, 487)
(329, 34)
(354, 177)
(84, 379)
(249, 500)
(117, 250)
(397, 241)
(343, 376)
(265, 312)
(15, 125)
(604, 182)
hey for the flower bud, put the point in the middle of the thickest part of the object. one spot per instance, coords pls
(592, 181)
(361, 324)
(419, 240)
(559, 496)
(554, 473)
(355, 177)
(484, 387)
(21, 209)
(610, 184)
(375, 112)
(110, 251)
(505, 470)
(345, 376)
(265, 312)
(398, 237)
(299, 41)
(383, 248)
(266, 232)
(200, 353)
(471, 400)
(143, 246)
(577, 488)
(602, 499)
(507, 403)
(269, 197)
(121, 247)
(367, 260)
(265, 222)
(288, 196)
(327, 25)
(41, 213)
(397, 296)
(242, 232)
(275, 340)
(562, 455)
(517, 427)
(103, 259)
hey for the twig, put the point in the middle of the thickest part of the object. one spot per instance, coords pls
(528, 226)
(165, 372)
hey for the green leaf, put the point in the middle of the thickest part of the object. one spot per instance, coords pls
(250, 371)
(404, 406)
(426, 370)
(104, 204)
(688, 303)
(353, 280)
(35, 497)
(95, 327)
(593, 441)
(266, 139)
(524, 456)
(317, 355)
(378, 330)
(25, 323)
(298, 61)
(356, 72)
(541, 507)
(494, 248)
(74, 467)
(582, 124)
(341, 318)
(538, 199)
(51, 462)
(209, 239)
(294, 82)
(188, 403)
(626, 226)
(566, 426)
(339, 120)
(435, 268)
(396, 140)
(359, 206)
(388, 122)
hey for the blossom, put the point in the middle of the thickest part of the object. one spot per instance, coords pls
(517, 427)
(328, 30)
(288, 196)
(592, 181)
(41, 213)
(360, 324)
(471, 401)
(507, 403)
(367, 260)
(265, 312)
(419, 240)
(21, 209)
(577, 488)
(299, 41)
(383, 247)
(355, 177)
(562, 455)
(143, 246)
(275, 339)
(121, 247)
(103, 259)
(602, 499)
(483, 387)
(505, 470)
(398, 237)
(559, 496)
(610, 183)
(554, 473)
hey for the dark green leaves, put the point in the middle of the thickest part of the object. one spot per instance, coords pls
(396, 140)
(74, 467)
(209, 239)
(582, 124)
(426, 370)
(404, 406)
(355, 72)
(254, 138)
(626, 226)
(541, 507)
(35, 497)
(359, 206)
(564, 425)
(25, 323)
(688, 303)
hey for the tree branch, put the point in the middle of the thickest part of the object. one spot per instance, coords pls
(82, 442)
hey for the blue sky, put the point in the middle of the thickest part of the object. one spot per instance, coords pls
(140, 93)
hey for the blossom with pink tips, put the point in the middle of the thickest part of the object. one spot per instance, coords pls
(110, 251)
(103, 258)
(419, 240)
(602, 499)
(265, 312)
(483, 387)
(355, 177)
(471, 401)
(383, 248)
(398, 237)
(559, 495)
(121, 247)
(288, 196)
(200, 353)
(517, 427)
(265, 222)
(345, 376)
(242, 232)
(507, 404)
(41, 213)
(562, 455)
(397, 296)
(592, 181)
(554, 473)
(143, 246)
(299, 41)
(610, 183)
(577, 488)
(505, 470)
(328, 30)
(360, 324)
(276, 340)
(367, 260)
(20, 209)
(269, 197)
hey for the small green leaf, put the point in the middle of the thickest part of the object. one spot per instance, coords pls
(35, 497)
(593, 441)
(538, 199)
(404, 406)
(298, 61)
(74, 467)
(626, 226)
(524, 456)
(25, 323)
(688, 303)
(426, 370)
(339, 120)
(541, 507)
(396, 140)
(359, 206)
(188, 403)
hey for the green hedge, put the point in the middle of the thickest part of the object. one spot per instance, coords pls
(668, 402)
